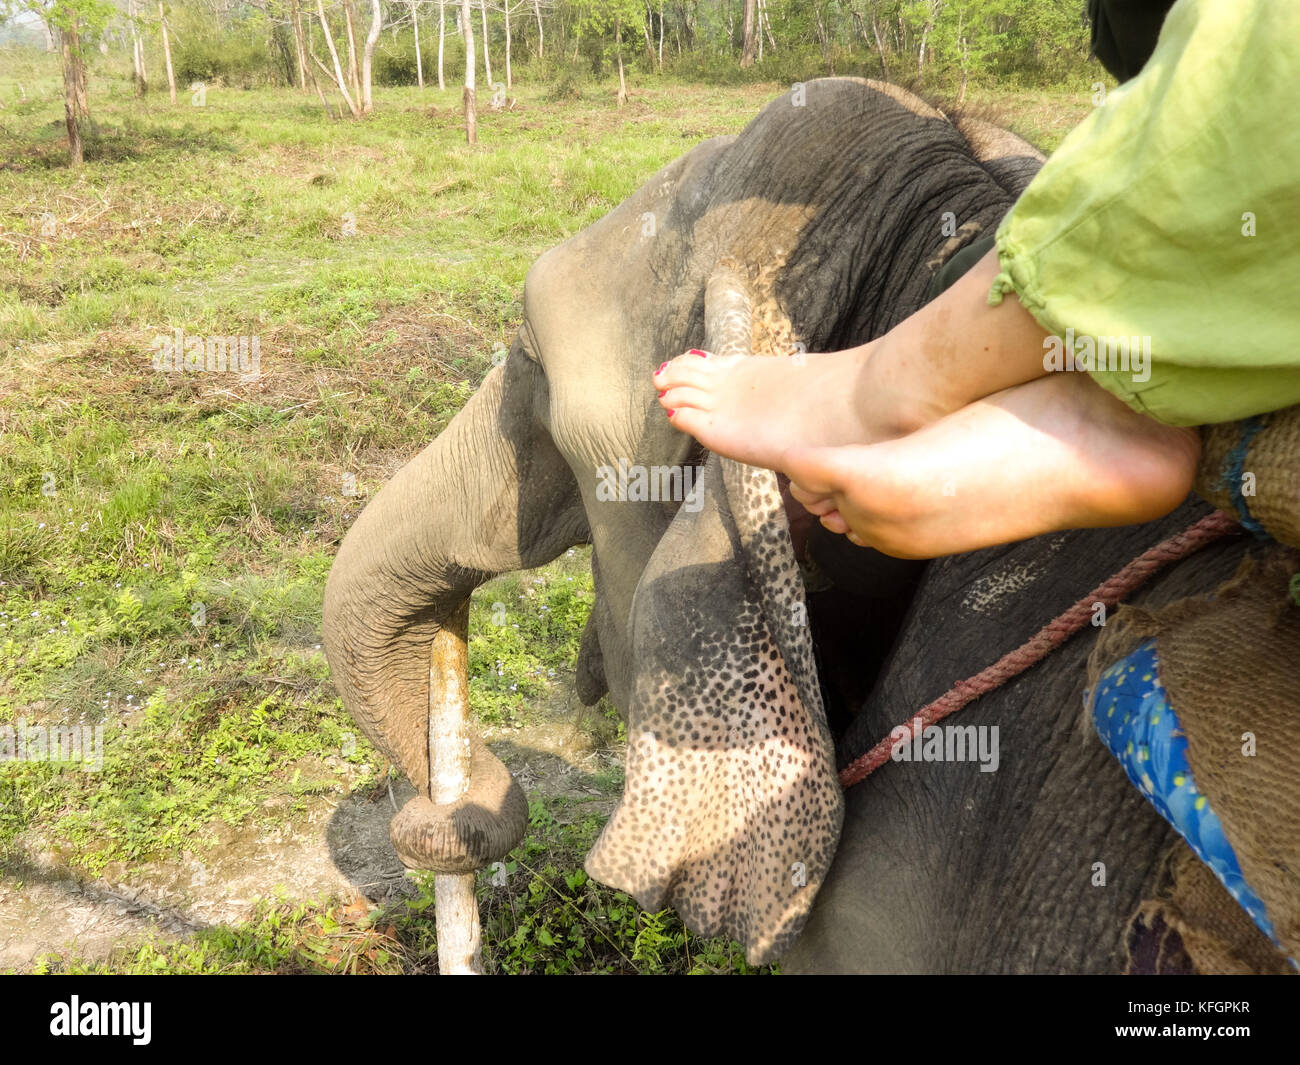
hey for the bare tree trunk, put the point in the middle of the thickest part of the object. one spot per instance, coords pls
(73, 90)
(339, 80)
(137, 51)
(442, 38)
(661, 34)
(350, 20)
(618, 44)
(167, 53)
(880, 47)
(747, 31)
(471, 106)
(541, 39)
(316, 84)
(487, 59)
(368, 57)
(419, 63)
(925, 35)
(965, 71)
(295, 18)
(506, 6)
(51, 45)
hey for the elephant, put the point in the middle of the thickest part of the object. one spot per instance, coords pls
(751, 652)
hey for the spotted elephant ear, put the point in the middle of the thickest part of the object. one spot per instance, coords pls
(731, 809)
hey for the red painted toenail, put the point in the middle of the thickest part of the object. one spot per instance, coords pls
(671, 413)
(662, 394)
(661, 368)
(697, 351)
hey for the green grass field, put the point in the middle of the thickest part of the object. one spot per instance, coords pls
(165, 537)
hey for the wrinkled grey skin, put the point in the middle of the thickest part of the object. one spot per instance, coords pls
(939, 867)
(942, 868)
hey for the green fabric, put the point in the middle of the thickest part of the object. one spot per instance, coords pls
(1135, 228)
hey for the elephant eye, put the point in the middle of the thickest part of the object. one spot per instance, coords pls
(526, 341)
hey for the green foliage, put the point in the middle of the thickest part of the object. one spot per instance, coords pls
(524, 630)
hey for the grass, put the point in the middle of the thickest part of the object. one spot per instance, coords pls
(165, 537)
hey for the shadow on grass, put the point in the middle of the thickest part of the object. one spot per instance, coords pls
(46, 148)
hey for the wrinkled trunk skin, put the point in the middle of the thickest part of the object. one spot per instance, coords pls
(450, 519)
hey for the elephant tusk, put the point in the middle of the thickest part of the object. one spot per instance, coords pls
(455, 907)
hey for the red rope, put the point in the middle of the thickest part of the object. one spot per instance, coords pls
(1112, 592)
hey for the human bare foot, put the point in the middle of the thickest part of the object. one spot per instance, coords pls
(953, 351)
(752, 408)
(1057, 453)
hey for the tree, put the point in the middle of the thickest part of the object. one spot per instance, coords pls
(337, 76)
(137, 49)
(368, 56)
(747, 49)
(419, 62)
(471, 105)
(74, 22)
(605, 19)
(442, 35)
(167, 52)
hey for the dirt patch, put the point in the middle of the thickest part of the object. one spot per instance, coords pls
(333, 850)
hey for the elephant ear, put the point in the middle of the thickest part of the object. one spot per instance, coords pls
(731, 810)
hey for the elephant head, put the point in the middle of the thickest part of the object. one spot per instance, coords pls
(817, 227)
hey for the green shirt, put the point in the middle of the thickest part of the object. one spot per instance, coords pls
(1169, 221)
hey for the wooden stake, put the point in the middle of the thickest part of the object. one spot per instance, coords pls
(455, 907)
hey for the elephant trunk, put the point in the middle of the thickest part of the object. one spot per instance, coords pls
(397, 603)
(475, 813)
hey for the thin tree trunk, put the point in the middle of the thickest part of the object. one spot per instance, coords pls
(368, 57)
(334, 55)
(506, 6)
(925, 36)
(766, 20)
(442, 37)
(541, 39)
(471, 105)
(618, 44)
(167, 53)
(487, 59)
(880, 47)
(354, 76)
(965, 71)
(137, 51)
(316, 84)
(419, 67)
(73, 93)
(51, 45)
(295, 18)
(661, 35)
(747, 31)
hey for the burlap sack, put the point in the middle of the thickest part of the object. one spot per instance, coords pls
(1251, 469)
(1231, 667)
